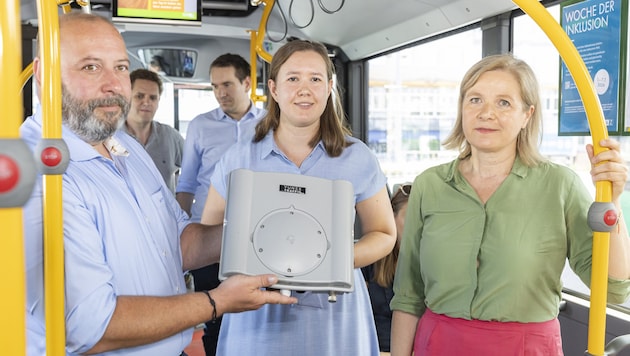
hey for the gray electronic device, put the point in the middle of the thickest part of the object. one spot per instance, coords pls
(297, 227)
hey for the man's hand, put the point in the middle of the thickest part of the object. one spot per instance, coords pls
(240, 293)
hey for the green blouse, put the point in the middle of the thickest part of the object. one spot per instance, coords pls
(499, 261)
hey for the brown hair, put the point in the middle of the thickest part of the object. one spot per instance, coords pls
(385, 268)
(146, 75)
(242, 68)
(332, 130)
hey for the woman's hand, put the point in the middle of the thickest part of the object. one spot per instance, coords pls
(608, 165)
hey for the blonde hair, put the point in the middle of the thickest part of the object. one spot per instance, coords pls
(529, 138)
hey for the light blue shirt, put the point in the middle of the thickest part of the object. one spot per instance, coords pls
(208, 136)
(313, 326)
(121, 237)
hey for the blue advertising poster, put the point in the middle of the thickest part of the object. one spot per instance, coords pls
(594, 26)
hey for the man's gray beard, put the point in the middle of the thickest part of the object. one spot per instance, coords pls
(80, 118)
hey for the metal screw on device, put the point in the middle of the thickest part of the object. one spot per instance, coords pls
(332, 297)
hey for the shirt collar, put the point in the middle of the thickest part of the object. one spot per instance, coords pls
(115, 148)
(518, 168)
(250, 114)
(79, 149)
(268, 146)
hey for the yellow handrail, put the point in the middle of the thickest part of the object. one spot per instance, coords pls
(26, 75)
(12, 265)
(595, 115)
(52, 200)
(253, 75)
(260, 34)
(256, 48)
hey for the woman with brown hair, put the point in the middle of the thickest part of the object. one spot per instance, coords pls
(304, 133)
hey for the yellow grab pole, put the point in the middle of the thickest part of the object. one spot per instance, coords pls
(26, 75)
(253, 75)
(52, 204)
(260, 34)
(256, 48)
(594, 113)
(12, 265)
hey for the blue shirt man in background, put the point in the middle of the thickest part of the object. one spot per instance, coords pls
(208, 136)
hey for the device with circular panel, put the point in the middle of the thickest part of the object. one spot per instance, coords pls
(297, 227)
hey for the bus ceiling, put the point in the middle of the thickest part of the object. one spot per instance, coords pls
(361, 28)
(357, 28)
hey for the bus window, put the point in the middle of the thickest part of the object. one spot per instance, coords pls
(413, 102)
(192, 102)
(166, 110)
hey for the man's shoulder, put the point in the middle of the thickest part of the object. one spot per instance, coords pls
(165, 127)
(31, 131)
(207, 115)
(258, 112)
(164, 130)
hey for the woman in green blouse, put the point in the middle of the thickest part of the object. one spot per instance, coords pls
(487, 235)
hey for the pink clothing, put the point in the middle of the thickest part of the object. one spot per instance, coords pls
(440, 335)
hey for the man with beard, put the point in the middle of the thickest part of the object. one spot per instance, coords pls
(208, 136)
(126, 240)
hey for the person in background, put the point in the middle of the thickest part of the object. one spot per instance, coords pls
(126, 240)
(304, 133)
(164, 144)
(379, 276)
(208, 136)
(487, 235)
(158, 65)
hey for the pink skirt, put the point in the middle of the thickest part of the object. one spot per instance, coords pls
(440, 335)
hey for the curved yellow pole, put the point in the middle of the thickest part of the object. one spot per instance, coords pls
(260, 34)
(52, 203)
(256, 48)
(26, 75)
(12, 265)
(595, 115)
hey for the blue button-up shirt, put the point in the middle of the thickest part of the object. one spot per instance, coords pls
(121, 229)
(313, 326)
(208, 136)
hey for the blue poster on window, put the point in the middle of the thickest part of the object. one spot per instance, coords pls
(594, 26)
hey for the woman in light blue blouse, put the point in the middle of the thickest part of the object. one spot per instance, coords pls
(303, 133)
(487, 235)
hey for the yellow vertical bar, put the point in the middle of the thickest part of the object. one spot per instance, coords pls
(595, 115)
(52, 203)
(252, 73)
(26, 74)
(12, 265)
(252, 61)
